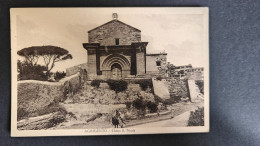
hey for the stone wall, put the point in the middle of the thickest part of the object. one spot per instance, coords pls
(161, 88)
(104, 95)
(151, 66)
(140, 63)
(194, 91)
(178, 87)
(170, 88)
(106, 34)
(92, 64)
(35, 97)
(198, 75)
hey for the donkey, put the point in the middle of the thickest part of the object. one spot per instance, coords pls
(117, 121)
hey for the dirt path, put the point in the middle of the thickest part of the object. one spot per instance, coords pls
(178, 109)
(178, 121)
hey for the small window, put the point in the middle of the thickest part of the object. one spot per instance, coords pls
(158, 63)
(117, 41)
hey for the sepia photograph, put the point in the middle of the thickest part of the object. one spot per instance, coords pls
(109, 71)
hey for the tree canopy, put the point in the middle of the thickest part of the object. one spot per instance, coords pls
(42, 50)
(50, 55)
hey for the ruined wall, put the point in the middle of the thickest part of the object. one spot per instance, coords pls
(106, 34)
(178, 87)
(170, 88)
(194, 91)
(161, 88)
(198, 75)
(34, 97)
(151, 66)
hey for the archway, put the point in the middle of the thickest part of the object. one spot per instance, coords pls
(115, 66)
(116, 71)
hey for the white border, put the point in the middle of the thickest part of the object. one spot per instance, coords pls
(76, 132)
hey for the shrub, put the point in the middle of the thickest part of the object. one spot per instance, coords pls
(201, 86)
(59, 75)
(159, 78)
(128, 105)
(140, 105)
(96, 83)
(176, 99)
(197, 117)
(28, 71)
(152, 106)
(117, 85)
(145, 83)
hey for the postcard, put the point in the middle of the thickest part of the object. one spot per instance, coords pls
(109, 71)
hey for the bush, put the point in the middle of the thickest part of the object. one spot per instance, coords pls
(152, 106)
(96, 83)
(201, 86)
(140, 105)
(128, 105)
(159, 78)
(117, 85)
(28, 71)
(145, 83)
(59, 75)
(197, 117)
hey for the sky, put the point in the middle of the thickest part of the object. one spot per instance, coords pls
(178, 32)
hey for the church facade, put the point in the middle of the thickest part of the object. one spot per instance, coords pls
(116, 51)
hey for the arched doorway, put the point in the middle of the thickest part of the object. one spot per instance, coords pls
(115, 66)
(116, 71)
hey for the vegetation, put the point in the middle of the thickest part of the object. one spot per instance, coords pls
(128, 105)
(201, 86)
(27, 71)
(145, 83)
(59, 75)
(152, 106)
(140, 105)
(159, 78)
(117, 85)
(197, 117)
(96, 83)
(50, 55)
(170, 69)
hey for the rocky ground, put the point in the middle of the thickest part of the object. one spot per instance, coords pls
(86, 116)
(93, 107)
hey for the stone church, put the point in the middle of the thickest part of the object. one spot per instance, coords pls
(115, 50)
